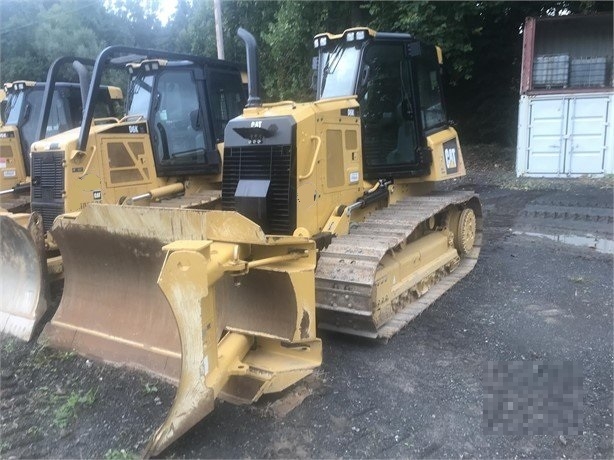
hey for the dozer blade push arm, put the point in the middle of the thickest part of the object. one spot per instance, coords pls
(157, 193)
(19, 188)
(188, 277)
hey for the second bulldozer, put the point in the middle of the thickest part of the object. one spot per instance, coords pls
(168, 144)
(35, 110)
(353, 174)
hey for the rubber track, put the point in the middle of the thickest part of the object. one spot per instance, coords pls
(349, 264)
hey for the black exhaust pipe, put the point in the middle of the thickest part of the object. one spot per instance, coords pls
(253, 99)
(84, 80)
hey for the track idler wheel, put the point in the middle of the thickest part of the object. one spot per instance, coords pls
(464, 231)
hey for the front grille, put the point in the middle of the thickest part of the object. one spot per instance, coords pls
(262, 162)
(48, 186)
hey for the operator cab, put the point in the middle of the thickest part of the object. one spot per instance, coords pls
(397, 81)
(184, 128)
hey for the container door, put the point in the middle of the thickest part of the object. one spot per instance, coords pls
(586, 139)
(546, 136)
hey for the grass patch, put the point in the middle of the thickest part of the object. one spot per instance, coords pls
(150, 389)
(8, 344)
(120, 454)
(70, 405)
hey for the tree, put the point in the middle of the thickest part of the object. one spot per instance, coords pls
(63, 31)
(289, 43)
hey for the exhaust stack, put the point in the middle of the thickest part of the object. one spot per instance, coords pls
(84, 80)
(251, 49)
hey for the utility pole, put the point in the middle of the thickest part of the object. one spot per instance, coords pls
(219, 37)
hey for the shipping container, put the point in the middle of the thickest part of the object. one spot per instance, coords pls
(565, 116)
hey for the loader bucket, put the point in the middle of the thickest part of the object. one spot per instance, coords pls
(23, 285)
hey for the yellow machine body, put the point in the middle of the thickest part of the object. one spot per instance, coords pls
(116, 162)
(12, 167)
(115, 166)
(14, 161)
(323, 212)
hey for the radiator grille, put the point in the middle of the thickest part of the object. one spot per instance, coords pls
(48, 186)
(274, 163)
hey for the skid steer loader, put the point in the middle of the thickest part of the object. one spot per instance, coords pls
(167, 144)
(35, 110)
(352, 176)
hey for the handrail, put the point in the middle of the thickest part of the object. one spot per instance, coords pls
(315, 157)
(131, 119)
(105, 120)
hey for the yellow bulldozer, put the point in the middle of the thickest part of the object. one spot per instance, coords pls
(329, 210)
(169, 143)
(35, 110)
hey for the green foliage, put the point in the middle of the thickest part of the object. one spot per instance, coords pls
(70, 405)
(150, 389)
(57, 35)
(481, 41)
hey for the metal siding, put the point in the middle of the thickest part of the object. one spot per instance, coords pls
(561, 136)
(528, 47)
(577, 36)
(545, 138)
(587, 134)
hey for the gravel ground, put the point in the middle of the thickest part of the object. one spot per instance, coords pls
(533, 298)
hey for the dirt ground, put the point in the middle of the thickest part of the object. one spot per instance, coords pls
(540, 293)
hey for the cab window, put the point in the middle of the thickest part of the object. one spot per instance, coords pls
(431, 107)
(389, 131)
(176, 108)
(227, 101)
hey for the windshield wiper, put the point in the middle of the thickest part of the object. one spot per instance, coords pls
(135, 87)
(334, 58)
(11, 105)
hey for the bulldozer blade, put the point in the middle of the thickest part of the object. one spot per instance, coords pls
(112, 309)
(154, 288)
(23, 280)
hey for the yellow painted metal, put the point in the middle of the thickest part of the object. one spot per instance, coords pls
(464, 225)
(113, 167)
(12, 167)
(438, 169)
(439, 55)
(188, 279)
(235, 313)
(411, 270)
(115, 92)
(144, 335)
(367, 30)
